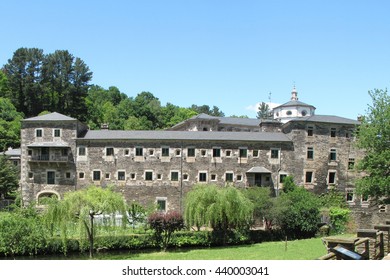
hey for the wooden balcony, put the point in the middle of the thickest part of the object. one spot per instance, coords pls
(48, 158)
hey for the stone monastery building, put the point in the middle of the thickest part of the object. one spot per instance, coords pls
(60, 154)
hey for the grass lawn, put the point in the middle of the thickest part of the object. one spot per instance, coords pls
(307, 249)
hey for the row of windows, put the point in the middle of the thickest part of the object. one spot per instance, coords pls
(150, 175)
(333, 132)
(216, 152)
(310, 177)
(332, 157)
(39, 132)
(332, 154)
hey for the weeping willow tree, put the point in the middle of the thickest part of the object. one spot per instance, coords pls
(78, 210)
(221, 208)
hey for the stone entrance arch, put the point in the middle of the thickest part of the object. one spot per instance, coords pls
(43, 195)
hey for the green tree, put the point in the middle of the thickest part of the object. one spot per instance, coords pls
(205, 109)
(9, 124)
(222, 208)
(173, 115)
(136, 214)
(55, 82)
(264, 111)
(97, 98)
(4, 88)
(147, 105)
(24, 74)
(297, 213)
(288, 184)
(262, 200)
(9, 179)
(81, 208)
(66, 81)
(374, 138)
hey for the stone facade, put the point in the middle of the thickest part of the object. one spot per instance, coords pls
(59, 154)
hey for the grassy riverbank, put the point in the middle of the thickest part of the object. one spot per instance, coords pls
(307, 249)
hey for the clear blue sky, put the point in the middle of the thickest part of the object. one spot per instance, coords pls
(225, 53)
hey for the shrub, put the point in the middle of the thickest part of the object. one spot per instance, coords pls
(164, 224)
(297, 213)
(21, 235)
(339, 218)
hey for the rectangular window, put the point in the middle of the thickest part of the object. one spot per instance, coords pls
(365, 198)
(127, 152)
(203, 153)
(191, 152)
(332, 155)
(148, 175)
(213, 177)
(81, 175)
(30, 175)
(228, 153)
(67, 175)
(139, 151)
(132, 176)
(202, 177)
(310, 153)
(333, 132)
(310, 131)
(349, 196)
(239, 177)
(64, 152)
(165, 151)
(96, 175)
(351, 163)
(332, 178)
(243, 152)
(107, 176)
(161, 205)
(38, 133)
(178, 152)
(274, 153)
(151, 152)
(109, 151)
(159, 176)
(121, 175)
(82, 151)
(255, 153)
(216, 152)
(229, 177)
(309, 177)
(174, 176)
(51, 177)
(282, 177)
(57, 132)
(185, 177)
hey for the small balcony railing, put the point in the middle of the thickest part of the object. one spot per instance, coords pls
(49, 158)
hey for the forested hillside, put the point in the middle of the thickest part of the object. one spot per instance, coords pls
(33, 83)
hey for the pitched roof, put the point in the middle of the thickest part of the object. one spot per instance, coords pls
(12, 152)
(224, 120)
(185, 135)
(294, 103)
(258, 169)
(51, 117)
(48, 144)
(327, 119)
